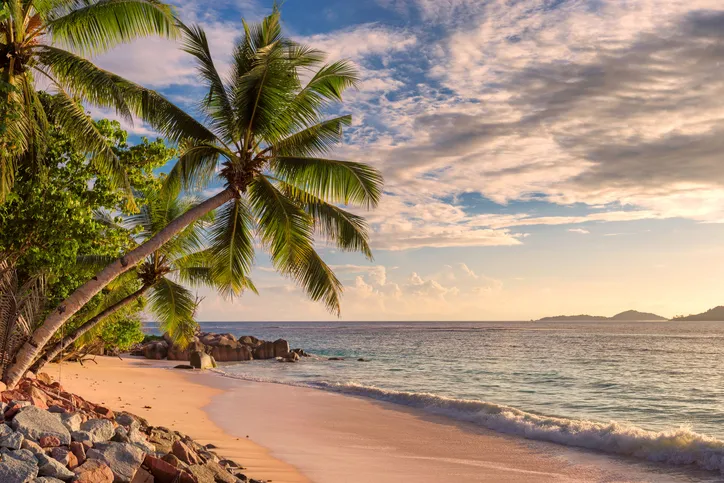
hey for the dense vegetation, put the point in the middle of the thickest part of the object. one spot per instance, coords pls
(92, 235)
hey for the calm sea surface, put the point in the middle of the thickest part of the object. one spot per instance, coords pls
(654, 390)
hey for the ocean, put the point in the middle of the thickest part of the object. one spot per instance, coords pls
(649, 390)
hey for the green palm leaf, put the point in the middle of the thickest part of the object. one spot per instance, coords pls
(232, 247)
(100, 25)
(174, 306)
(334, 181)
(287, 231)
(314, 140)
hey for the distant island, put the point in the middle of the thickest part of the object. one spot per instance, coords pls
(716, 314)
(629, 315)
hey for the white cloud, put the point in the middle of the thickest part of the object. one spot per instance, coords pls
(580, 231)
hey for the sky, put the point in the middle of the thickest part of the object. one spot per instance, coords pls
(541, 157)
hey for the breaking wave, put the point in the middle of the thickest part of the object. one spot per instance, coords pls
(680, 446)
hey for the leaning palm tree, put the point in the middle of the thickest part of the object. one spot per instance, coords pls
(264, 142)
(42, 42)
(163, 276)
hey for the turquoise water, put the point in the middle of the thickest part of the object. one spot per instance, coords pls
(650, 390)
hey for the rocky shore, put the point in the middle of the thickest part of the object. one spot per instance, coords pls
(221, 347)
(48, 435)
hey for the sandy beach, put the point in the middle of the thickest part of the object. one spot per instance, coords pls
(292, 434)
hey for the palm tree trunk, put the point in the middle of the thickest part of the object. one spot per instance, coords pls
(56, 348)
(29, 351)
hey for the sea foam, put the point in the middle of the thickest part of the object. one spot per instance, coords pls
(680, 446)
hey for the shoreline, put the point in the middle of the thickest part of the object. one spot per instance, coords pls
(298, 434)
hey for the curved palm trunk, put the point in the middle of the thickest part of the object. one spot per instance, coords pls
(29, 351)
(89, 325)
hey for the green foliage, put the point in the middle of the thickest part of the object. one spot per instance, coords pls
(122, 333)
(47, 38)
(266, 139)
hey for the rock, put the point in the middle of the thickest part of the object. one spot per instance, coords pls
(45, 378)
(79, 451)
(93, 471)
(30, 375)
(201, 360)
(183, 366)
(128, 420)
(105, 412)
(281, 348)
(164, 472)
(3, 387)
(335, 358)
(289, 357)
(156, 350)
(31, 446)
(163, 439)
(54, 408)
(34, 423)
(65, 457)
(220, 474)
(53, 468)
(100, 429)
(250, 340)
(264, 351)
(38, 398)
(82, 436)
(362, 359)
(175, 353)
(171, 459)
(72, 421)
(184, 453)
(20, 454)
(123, 459)
(49, 442)
(231, 351)
(202, 474)
(12, 441)
(142, 476)
(17, 471)
(121, 435)
(47, 479)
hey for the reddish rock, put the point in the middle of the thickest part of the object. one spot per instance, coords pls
(38, 397)
(171, 459)
(164, 472)
(93, 471)
(105, 412)
(78, 450)
(49, 441)
(66, 457)
(281, 347)
(184, 453)
(13, 395)
(142, 476)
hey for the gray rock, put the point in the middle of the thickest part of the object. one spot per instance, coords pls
(5, 430)
(126, 419)
(20, 454)
(34, 423)
(81, 436)
(123, 459)
(53, 468)
(47, 479)
(72, 421)
(12, 441)
(31, 446)
(201, 360)
(101, 429)
(17, 471)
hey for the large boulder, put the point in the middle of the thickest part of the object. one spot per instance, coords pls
(14, 470)
(93, 471)
(35, 423)
(265, 350)
(124, 459)
(281, 348)
(231, 351)
(250, 340)
(175, 353)
(201, 360)
(53, 468)
(100, 429)
(156, 350)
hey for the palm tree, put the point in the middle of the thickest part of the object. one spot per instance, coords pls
(45, 41)
(184, 260)
(265, 141)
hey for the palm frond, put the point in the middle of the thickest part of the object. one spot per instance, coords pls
(312, 141)
(334, 181)
(100, 25)
(349, 232)
(287, 231)
(232, 247)
(196, 166)
(174, 306)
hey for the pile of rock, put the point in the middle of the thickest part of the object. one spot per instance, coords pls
(222, 347)
(48, 435)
